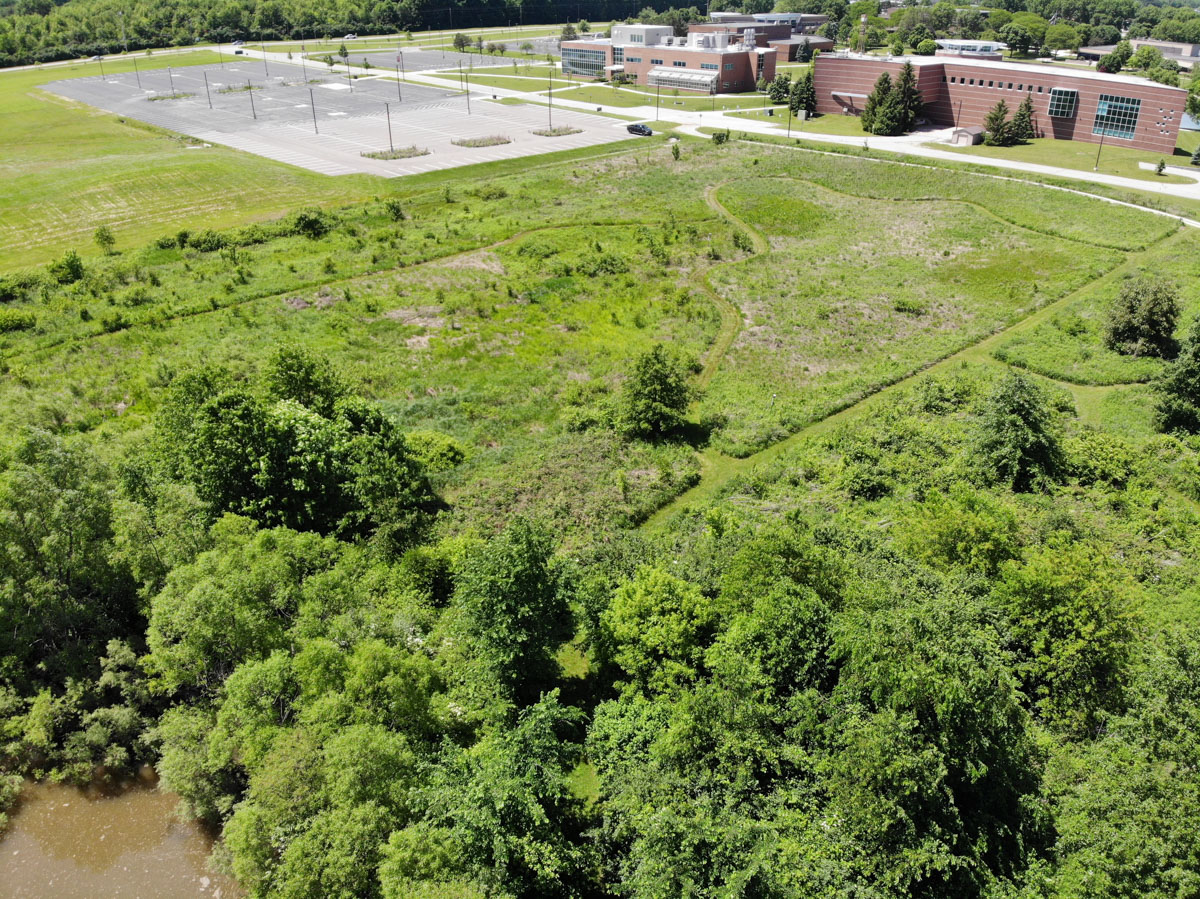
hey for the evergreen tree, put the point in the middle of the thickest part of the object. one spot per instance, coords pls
(889, 116)
(1020, 129)
(908, 96)
(1017, 444)
(1196, 156)
(881, 91)
(999, 132)
(804, 95)
(1178, 405)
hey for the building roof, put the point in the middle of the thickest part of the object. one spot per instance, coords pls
(706, 79)
(1045, 72)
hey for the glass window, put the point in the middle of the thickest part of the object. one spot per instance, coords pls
(1010, 85)
(972, 81)
(580, 61)
(1117, 116)
(709, 65)
(728, 67)
(1020, 87)
(633, 59)
(680, 63)
(656, 62)
(618, 54)
(990, 83)
(1039, 88)
(1063, 102)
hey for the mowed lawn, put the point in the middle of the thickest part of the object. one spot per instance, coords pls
(68, 168)
(1069, 154)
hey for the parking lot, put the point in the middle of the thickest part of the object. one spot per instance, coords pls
(308, 116)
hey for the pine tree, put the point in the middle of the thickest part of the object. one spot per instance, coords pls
(997, 126)
(1020, 129)
(881, 91)
(804, 95)
(889, 116)
(1196, 156)
(809, 93)
(909, 96)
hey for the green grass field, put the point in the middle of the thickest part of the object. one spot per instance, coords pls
(69, 168)
(1114, 160)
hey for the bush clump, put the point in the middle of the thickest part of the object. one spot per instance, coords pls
(1141, 322)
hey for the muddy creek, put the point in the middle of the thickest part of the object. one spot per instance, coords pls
(63, 843)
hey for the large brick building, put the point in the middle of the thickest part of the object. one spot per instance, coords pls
(721, 62)
(1068, 105)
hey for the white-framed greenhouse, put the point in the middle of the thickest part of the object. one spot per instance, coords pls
(683, 78)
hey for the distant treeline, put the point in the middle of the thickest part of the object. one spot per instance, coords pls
(40, 31)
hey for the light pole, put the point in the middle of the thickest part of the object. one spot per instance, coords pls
(263, 47)
(657, 99)
(250, 91)
(171, 76)
(550, 99)
(467, 82)
(206, 92)
(220, 58)
(101, 61)
(398, 94)
(313, 102)
(303, 64)
(388, 111)
(136, 74)
(1096, 167)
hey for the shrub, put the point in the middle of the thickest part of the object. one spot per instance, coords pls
(720, 137)
(68, 269)
(394, 209)
(1178, 390)
(1141, 322)
(603, 264)
(926, 48)
(311, 222)
(1096, 457)
(16, 320)
(206, 241)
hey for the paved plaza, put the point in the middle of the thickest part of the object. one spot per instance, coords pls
(308, 116)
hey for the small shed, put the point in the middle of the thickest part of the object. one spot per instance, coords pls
(967, 137)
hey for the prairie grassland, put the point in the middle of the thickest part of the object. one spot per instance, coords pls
(1070, 347)
(855, 294)
(502, 309)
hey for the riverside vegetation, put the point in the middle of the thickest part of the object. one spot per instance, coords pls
(738, 529)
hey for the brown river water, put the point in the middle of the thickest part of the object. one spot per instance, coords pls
(69, 843)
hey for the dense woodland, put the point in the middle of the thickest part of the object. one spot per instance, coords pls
(344, 523)
(43, 30)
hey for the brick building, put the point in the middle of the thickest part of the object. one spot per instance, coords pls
(1067, 105)
(780, 37)
(720, 62)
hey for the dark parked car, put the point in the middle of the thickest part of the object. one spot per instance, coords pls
(639, 129)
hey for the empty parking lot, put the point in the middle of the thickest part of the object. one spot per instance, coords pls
(309, 116)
